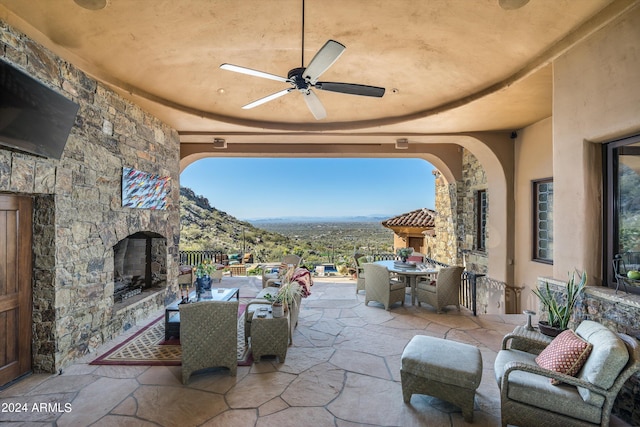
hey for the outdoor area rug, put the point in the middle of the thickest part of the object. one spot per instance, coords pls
(147, 347)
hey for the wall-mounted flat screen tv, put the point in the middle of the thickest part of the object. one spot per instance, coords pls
(33, 118)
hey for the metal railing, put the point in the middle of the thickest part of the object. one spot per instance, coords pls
(196, 257)
(468, 288)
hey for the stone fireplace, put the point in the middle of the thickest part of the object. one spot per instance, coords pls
(84, 239)
(139, 266)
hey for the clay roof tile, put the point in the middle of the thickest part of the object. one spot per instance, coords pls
(419, 218)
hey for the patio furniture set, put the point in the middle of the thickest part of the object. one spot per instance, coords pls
(385, 282)
(572, 379)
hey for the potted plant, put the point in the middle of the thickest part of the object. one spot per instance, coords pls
(287, 295)
(404, 253)
(559, 313)
(203, 274)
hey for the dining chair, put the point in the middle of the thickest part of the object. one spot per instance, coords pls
(380, 288)
(360, 260)
(208, 336)
(444, 291)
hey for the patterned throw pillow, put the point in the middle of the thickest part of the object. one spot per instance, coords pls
(565, 354)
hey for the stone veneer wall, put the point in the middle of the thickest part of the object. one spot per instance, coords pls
(78, 214)
(619, 312)
(444, 245)
(455, 230)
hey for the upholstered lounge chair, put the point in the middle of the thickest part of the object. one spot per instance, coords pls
(209, 336)
(380, 287)
(445, 291)
(528, 398)
(294, 260)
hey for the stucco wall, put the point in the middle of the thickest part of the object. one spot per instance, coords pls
(78, 213)
(596, 98)
(533, 160)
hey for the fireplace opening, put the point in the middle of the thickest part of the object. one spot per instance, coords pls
(139, 266)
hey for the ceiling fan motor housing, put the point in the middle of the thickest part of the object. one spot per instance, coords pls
(297, 80)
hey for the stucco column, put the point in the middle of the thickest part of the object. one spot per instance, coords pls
(593, 102)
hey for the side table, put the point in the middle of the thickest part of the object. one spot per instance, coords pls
(533, 342)
(269, 336)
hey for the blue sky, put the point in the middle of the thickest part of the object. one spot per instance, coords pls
(255, 188)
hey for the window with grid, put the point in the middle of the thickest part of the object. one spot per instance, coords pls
(481, 219)
(543, 220)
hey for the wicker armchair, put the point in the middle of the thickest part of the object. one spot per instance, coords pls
(527, 397)
(208, 336)
(379, 286)
(359, 272)
(445, 291)
(295, 260)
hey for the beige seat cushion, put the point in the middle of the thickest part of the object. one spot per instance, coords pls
(537, 390)
(607, 359)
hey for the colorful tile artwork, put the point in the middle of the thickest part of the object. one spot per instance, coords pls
(143, 190)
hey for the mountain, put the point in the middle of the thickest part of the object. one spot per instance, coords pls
(205, 227)
(313, 219)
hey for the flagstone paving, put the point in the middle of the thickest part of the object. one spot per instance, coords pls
(343, 369)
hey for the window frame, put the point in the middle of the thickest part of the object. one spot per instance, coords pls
(482, 206)
(610, 219)
(535, 223)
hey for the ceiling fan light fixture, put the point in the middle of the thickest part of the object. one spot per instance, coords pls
(219, 143)
(402, 144)
(92, 4)
(512, 4)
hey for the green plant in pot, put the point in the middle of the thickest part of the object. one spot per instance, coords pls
(203, 274)
(287, 296)
(559, 312)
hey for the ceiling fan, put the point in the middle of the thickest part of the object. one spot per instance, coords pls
(304, 79)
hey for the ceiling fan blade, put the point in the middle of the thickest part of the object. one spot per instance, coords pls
(351, 88)
(315, 105)
(267, 99)
(326, 56)
(255, 73)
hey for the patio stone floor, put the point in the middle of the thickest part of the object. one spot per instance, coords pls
(343, 370)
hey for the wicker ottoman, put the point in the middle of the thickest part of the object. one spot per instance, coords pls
(444, 369)
(269, 336)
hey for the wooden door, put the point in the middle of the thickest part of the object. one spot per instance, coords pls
(15, 286)
(416, 243)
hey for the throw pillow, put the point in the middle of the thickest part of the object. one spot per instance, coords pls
(565, 354)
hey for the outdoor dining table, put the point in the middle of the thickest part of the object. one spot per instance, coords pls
(411, 271)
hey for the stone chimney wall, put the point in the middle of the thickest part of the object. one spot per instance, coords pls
(78, 213)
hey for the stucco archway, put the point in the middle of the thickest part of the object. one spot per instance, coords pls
(493, 150)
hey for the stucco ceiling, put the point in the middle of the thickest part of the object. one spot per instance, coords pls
(448, 66)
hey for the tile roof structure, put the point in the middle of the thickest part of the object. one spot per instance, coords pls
(422, 218)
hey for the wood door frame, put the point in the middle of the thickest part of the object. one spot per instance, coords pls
(21, 272)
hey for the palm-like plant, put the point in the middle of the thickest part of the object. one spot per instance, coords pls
(559, 314)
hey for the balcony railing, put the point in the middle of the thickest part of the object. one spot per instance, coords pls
(196, 257)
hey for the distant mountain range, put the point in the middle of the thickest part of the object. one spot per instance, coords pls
(289, 219)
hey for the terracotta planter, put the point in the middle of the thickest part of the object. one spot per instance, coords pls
(549, 330)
